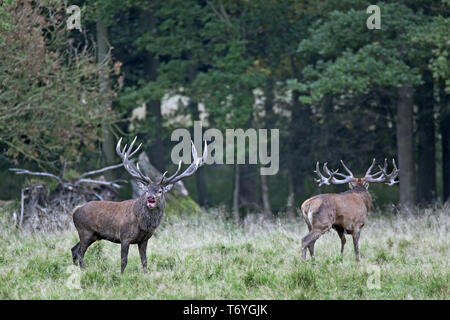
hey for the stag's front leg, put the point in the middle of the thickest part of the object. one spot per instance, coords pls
(143, 254)
(355, 235)
(342, 236)
(124, 255)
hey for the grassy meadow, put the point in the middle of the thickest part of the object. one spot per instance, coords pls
(208, 257)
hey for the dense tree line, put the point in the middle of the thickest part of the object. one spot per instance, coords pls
(334, 88)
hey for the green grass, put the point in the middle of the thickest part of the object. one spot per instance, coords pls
(206, 257)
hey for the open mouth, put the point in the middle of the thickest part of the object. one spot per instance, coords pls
(151, 202)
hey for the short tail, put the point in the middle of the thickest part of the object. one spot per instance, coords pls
(307, 214)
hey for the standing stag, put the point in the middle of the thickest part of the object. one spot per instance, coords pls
(345, 212)
(132, 221)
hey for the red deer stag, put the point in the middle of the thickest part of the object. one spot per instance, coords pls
(132, 221)
(345, 212)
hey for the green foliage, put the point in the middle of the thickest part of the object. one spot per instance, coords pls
(352, 63)
(49, 109)
(436, 36)
(219, 53)
(181, 206)
(5, 18)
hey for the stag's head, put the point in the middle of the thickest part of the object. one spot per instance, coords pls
(154, 190)
(379, 176)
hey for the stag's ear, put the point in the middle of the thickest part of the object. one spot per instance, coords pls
(167, 188)
(366, 185)
(141, 185)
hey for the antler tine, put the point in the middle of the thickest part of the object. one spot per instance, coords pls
(331, 175)
(328, 171)
(196, 163)
(172, 176)
(125, 155)
(322, 180)
(118, 145)
(394, 172)
(393, 175)
(394, 165)
(194, 152)
(370, 168)
(369, 176)
(347, 169)
(136, 150)
(382, 175)
(162, 177)
(384, 167)
(139, 170)
(325, 169)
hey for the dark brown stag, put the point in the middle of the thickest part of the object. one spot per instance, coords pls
(132, 221)
(345, 212)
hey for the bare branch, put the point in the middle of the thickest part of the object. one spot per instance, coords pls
(100, 170)
(22, 198)
(105, 183)
(23, 171)
(63, 171)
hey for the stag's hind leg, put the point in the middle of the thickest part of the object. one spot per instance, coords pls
(355, 235)
(308, 242)
(75, 253)
(311, 248)
(341, 233)
(343, 241)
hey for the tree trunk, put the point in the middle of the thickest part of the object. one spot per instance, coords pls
(426, 186)
(265, 196)
(300, 151)
(202, 192)
(405, 146)
(236, 194)
(249, 197)
(108, 145)
(156, 147)
(269, 124)
(445, 132)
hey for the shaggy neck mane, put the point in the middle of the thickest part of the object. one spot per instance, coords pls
(148, 218)
(364, 193)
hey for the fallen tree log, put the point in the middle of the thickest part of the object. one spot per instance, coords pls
(48, 209)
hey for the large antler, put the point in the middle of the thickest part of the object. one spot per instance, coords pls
(125, 155)
(196, 163)
(382, 175)
(331, 175)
